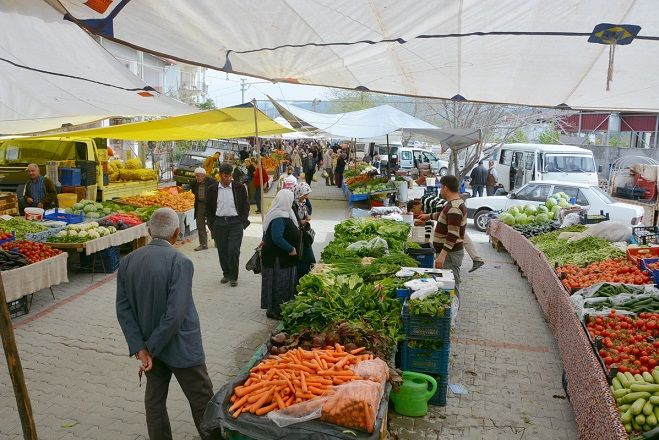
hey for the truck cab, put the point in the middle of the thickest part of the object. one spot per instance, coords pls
(184, 171)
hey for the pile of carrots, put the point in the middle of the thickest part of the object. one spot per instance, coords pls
(294, 377)
(362, 178)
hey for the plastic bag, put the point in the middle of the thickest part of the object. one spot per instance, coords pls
(425, 292)
(353, 405)
(375, 370)
(421, 283)
(608, 230)
(570, 219)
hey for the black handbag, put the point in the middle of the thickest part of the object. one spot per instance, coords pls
(308, 236)
(254, 263)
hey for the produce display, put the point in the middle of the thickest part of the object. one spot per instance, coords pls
(364, 229)
(269, 163)
(30, 250)
(11, 260)
(613, 271)
(526, 214)
(352, 182)
(120, 221)
(344, 386)
(371, 186)
(580, 252)
(179, 202)
(637, 396)
(131, 171)
(6, 236)
(82, 232)
(89, 209)
(21, 227)
(352, 171)
(434, 305)
(532, 230)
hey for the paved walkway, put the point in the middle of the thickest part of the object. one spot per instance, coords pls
(504, 354)
(83, 385)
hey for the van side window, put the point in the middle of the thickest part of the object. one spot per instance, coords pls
(406, 155)
(528, 158)
(506, 157)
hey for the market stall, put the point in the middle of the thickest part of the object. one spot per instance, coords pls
(34, 277)
(595, 408)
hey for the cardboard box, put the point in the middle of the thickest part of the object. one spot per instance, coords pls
(79, 191)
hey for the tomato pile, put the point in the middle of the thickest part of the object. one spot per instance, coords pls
(33, 251)
(607, 271)
(5, 235)
(628, 342)
(653, 266)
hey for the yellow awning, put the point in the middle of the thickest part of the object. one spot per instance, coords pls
(231, 122)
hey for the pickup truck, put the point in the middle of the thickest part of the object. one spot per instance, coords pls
(17, 153)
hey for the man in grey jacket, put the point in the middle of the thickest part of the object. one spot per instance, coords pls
(160, 323)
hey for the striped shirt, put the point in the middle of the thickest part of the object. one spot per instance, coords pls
(451, 226)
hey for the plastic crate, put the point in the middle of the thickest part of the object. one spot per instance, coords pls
(636, 255)
(424, 360)
(64, 217)
(436, 328)
(87, 172)
(645, 234)
(646, 261)
(107, 261)
(439, 398)
(70, 176)
(593, 219)
(403, 294)
(424, 256)
(7, 240)
(18, 307)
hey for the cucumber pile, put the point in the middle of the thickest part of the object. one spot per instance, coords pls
(637, 396)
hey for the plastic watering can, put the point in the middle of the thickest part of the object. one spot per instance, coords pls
(412, 397)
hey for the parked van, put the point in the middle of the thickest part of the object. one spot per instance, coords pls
(226, 145)
(184, 171)
(518, 164)
(408, 158)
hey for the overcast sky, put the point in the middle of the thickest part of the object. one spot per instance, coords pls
(225, 89)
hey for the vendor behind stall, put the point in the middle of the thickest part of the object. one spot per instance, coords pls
(40, 191)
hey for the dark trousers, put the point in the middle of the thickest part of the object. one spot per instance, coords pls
(257, 196)
(338, 179)
(196, 386)
(308, 176)
(228, 236)
(201, 223)
(490, 190)
(477, 189)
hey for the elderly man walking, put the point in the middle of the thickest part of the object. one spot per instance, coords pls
(227, 212)
(160, 323)
(199, 186)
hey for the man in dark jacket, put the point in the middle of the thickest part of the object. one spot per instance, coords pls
(227, 213)
(40, 191)
(478, 180)
(199, 186)
(158, 317)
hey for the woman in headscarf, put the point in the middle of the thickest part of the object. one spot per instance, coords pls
(280, 251)
(302, 209)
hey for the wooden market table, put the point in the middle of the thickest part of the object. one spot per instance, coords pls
(595, 410)
(136, 234)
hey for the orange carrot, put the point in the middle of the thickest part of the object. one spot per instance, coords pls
(266, 409)
(303, 382)
(238, 403)
(280, 402)
(357, 350)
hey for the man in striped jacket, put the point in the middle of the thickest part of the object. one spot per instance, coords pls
(449, 234)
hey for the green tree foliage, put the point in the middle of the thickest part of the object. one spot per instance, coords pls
(343, 101)
(549, 136)
(518, 137)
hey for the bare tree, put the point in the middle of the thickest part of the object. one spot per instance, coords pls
(498, 123)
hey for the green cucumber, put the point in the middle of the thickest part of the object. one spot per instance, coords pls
(648, 408)
(615, 383)
(650, 388)
(624, 407)
(639, 378)
(634, 398)
(647, 377)
(630, 377)
(637, 406)
(620, 393)
(627, 416)
(640, 419)
(623, 380)
(655, 375)
(651, 420)
(646, 427)
(636, 426)
(654, 400)
(628, 427)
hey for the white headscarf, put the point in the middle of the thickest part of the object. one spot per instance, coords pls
(301, 190)
(289, 182)
(282, 207)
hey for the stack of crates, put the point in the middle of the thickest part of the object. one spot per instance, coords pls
(427, 345)
(105, 261)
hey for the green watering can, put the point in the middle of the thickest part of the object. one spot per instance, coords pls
(412, 397)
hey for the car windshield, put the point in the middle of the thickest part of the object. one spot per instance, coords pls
(564, 163)
(604, 196)
(190, 161)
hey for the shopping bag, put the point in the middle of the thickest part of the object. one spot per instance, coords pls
(254, 263)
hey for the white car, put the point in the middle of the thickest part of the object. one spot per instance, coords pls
(537, 192)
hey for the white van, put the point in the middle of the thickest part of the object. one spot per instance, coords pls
(518, 164)
(409, 158)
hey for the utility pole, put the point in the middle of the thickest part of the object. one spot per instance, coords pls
(242, 90)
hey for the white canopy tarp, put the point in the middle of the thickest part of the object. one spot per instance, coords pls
(531, 52)
(53, 73)
(451, 138)
(368, 123)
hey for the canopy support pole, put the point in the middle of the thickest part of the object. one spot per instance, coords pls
(388, 154)
(16, 369)
(258, 157)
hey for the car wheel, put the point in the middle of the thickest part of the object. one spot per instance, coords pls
(443, 172)
(481, 219)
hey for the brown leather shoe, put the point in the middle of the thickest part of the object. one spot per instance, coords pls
(201, 247)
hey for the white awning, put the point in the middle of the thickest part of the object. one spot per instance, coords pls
(368, 123)
(531, 52)
(53, 73)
